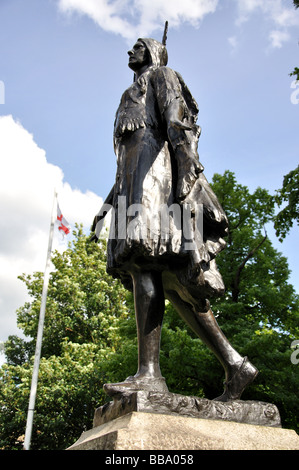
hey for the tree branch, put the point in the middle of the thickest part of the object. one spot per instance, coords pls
(235, 287)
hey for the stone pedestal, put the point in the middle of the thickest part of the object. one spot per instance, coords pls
(249, 412)
(166, 421)
(149, 431)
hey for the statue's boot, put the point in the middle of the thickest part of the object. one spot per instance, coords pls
(240, 380)
(134, 384)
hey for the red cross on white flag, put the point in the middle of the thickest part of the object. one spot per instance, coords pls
(63, 226)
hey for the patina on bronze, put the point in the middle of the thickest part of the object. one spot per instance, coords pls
(155, 141)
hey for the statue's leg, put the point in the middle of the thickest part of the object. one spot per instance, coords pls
(149, 311)
(238, 371)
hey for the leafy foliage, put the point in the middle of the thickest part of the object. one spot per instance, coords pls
(289, 194)
(260, 310)
(295, 73)
(85, 312)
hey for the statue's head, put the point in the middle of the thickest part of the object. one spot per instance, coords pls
(157, 51)
(146, 53)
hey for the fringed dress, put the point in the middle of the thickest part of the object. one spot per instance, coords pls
(150, 228)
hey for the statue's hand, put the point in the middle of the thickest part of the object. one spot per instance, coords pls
(188, 167)
(178, 125)
(175, 131)
(186, 181)
(93, 238)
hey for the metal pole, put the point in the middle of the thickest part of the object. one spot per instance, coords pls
(38, 346)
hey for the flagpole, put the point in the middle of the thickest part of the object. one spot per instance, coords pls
(38, 346)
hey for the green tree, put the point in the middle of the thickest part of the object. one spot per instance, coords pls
(288, 195)
(259, 312)
(86, 313)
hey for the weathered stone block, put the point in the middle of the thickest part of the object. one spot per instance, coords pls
(151, 431)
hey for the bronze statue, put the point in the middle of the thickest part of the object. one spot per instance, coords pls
(155, 141)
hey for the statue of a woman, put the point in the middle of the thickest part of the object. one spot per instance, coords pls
(158, 168)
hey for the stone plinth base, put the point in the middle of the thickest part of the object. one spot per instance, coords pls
(151, 431)
(249, 412)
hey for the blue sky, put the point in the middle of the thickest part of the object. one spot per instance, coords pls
(63, 66)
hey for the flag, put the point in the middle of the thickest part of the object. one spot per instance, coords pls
(63, 226)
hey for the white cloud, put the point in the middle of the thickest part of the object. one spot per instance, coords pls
(277, 38)
(278, 15)
(27, 183)
(108, 15)
(233, 42)
(132, 18)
